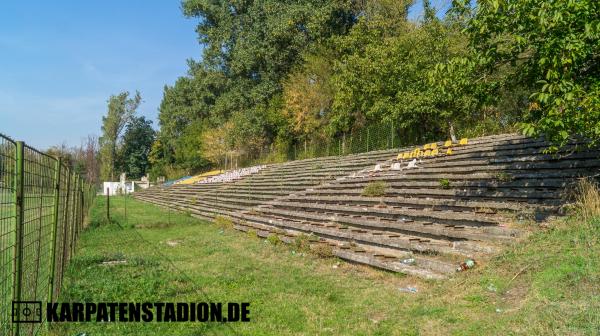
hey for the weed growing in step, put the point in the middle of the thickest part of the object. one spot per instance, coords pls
(252, 234)
(444, 183)
(274, 239)
(374, 189)
(322, 250)
(301, 242)
(224, 222)
(504, 177)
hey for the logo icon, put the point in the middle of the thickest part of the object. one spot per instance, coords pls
(27, 311)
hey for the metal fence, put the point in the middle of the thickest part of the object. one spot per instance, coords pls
(42, 210)
(377, 136)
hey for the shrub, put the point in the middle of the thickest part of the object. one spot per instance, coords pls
(375, 189)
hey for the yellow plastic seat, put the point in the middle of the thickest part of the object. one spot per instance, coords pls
(399, 157)
(427, 153)
(434, 145)
(448, 143)
(427, 146)
(463, 141)
(406, 156)
(435, 152)
(449, 151)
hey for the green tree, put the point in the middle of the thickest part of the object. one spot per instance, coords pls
(121, 108)
(555, 48)
(137, 142)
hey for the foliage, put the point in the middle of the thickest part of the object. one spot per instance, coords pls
(82, 160)
(137, 142)
(278, 76)
(121, 108)
(554, 47)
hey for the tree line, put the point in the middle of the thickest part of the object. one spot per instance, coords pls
(279, 73)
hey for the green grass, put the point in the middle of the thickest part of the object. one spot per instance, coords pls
(547, 285)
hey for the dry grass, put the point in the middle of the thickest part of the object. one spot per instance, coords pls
(587, 199)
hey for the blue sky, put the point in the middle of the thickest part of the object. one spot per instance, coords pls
(61, 60)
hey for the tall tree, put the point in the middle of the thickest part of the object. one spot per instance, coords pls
(137, 142)
(121, 108)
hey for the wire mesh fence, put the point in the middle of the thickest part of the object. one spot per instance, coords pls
(378, 136)
(42, 210)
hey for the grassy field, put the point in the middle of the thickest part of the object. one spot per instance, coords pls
(548, 285)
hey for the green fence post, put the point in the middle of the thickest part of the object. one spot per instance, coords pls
(65, 225)
(81, 205)
(54, 228)
(19, 212)
(74, 216)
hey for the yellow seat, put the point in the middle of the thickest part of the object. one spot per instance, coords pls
(434, 146)
(435, 152)
(406, 156)
(427, 146)
(399, 157)
(449, 151)
(448, 143)
(427, 153)
(463, 141)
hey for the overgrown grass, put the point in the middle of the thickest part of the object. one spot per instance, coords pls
(374, 189)
(546, 285)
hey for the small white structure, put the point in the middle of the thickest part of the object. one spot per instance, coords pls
(123, 186)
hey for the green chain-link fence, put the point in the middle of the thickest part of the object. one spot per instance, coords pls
(42, 209)
(374, 137)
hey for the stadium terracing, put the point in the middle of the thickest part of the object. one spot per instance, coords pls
(419, 210)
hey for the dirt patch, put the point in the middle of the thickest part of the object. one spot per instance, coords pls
(113, 262)
(174, 242)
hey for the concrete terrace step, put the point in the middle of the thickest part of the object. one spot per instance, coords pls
(381, 258)
(424, 228)
(376, 238)
(418, 203)
(492, 180)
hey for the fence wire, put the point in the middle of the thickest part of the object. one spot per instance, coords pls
(42, 211)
